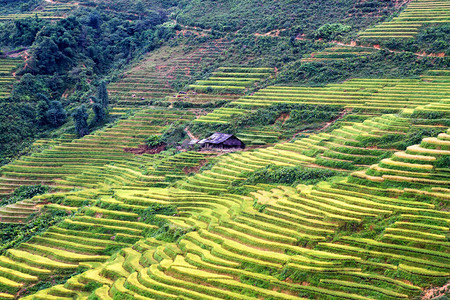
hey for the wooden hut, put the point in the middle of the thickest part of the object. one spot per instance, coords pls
(222, 141)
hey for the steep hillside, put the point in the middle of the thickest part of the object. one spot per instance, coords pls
(207, 227)
(283, 17)
(347, 238)
(65, 60)
(163, 73)
(339, 188)
(13, 120)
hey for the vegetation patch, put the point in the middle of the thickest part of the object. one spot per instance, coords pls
(287, 175)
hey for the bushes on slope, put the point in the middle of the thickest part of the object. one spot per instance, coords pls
(288, 175)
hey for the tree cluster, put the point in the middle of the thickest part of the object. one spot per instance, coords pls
(287, 175)
(293, 17)
(380, 64)
(331, 32)
(50, 112)
(99, 107)
(66, 56)
(432, 38)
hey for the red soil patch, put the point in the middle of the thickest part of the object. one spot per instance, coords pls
(283, 118)
(143, 149)
(436, 292)
(195, 169)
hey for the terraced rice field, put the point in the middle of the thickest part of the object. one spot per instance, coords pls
(346, 147)
(7, 66)
(83, 240)
(238, 252)
(49, 11)
(417, 14)
(179, 165)
(373, 95)
(338, 53)
(419, 166)
(343, 149)
(81, 162)
(441, 106)
(233, 80)
(193, 97)
(161, 171)
(161, 74)
(258, 136)
(226, 84)
(221, 115)
(42, 144)
(325, 241)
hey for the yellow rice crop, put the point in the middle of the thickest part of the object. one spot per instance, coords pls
(388, 161)
(419, 149)
(363, 175)
(414, 157)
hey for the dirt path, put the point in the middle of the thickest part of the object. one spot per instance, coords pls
(24, 54)
(191, 136)
(341, 115)
(436, 292)
(400, 3)
(274, 33)
(17, 53)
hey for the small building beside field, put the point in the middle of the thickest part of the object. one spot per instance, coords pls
(221, 141)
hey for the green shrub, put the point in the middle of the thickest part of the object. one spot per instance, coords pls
(148, 215)
(331, 31)
(286, 175)
(26, 192)
(170, 233)
(153, 141)
(174, 135)
(346, 165)
(14, 234)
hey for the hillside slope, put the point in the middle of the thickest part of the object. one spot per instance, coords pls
(268, 16)
(342, 190)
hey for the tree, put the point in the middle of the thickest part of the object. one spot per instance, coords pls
(140, 9)
(330, 32)
(94, 20)
(99, 111)
(49, 112)
(80, 117)
(56, 115)
(153, 141)
(42, 107)
(47, 57)
(28, 89)
(25, 31)
(174, 135)
(102, 94)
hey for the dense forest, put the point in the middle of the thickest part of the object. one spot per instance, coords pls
(68, 58)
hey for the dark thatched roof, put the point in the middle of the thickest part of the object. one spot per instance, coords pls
(222, 139)
(216, 138)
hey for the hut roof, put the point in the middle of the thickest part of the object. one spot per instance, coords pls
(216, 138)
